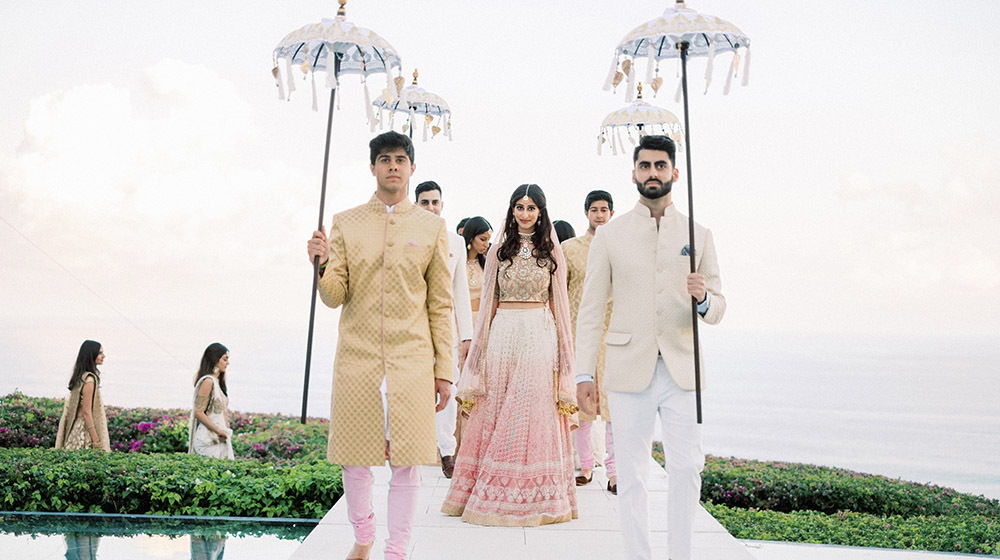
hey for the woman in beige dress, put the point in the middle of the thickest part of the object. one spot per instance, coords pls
(208, 426)
(477, 232)
(83, 424)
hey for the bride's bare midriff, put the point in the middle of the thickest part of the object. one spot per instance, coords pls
(521, 305)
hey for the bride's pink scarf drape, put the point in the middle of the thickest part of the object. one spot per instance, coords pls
(473, 381)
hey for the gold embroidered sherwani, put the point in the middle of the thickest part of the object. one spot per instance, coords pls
(390, 272)
(575, 250)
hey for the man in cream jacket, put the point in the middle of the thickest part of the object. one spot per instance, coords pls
(641, 260)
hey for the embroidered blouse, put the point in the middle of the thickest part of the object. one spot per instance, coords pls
(522, 279)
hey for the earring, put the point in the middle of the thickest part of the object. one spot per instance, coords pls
(468, 246)
(215, 369)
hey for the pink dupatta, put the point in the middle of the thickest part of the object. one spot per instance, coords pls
(473, 381)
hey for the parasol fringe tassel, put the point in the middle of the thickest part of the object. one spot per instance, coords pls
(746, 69)
(425, 130)
(680, 90)
(331, 77)
(599, 142)
(710, 67)
(630, 85)
(611, 73)
(732, 72)
(448, 128)
(413, 117)
(614, 146)
(368, 103)
(290, 76)
(277, 80)
(315, 99)
(381, 119)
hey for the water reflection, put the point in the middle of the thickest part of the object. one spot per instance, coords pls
(207, 547)
(124, 535)
(82, 546)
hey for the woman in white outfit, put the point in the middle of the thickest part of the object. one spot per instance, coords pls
(209, 434)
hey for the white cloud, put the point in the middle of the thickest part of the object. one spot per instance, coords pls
(162, 177)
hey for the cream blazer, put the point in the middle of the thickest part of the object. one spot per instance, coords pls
(460, 288)
(644, 269)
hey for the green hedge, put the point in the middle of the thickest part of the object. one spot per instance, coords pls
(972, 534)
(792, 502)
(786, 487)
(55, 480)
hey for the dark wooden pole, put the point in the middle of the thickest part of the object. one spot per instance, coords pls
(322, 202)
(694, 301)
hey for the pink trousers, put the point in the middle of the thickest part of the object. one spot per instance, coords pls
(403, 492)
(586, 448)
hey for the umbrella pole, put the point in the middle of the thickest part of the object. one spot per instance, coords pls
(694, 302)
(322, 201)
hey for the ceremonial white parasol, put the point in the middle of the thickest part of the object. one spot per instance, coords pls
(336, 47)
(639, 118)
(415, 100)
(681, 33)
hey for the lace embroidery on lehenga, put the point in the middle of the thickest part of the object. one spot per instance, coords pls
(515, 465)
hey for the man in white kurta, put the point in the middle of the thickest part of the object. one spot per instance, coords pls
(641, 260)
(428, 196)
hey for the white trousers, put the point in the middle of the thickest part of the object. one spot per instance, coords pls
(447, 419)
(635, 417)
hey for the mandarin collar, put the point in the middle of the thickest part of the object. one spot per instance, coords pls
(401, 207)
(643, 210)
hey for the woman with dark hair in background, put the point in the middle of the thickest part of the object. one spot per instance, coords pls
(515, 465)
(83, 424)
(208, 426)
(564, 230)
(477, 232)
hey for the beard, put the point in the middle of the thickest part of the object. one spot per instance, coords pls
(653, 189)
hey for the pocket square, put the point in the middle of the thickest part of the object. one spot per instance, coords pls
(686, 250)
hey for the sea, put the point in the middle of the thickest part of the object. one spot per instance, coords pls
(921, 409)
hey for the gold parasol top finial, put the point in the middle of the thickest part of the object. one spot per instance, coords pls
(415, 74)
(341, 11)
(639, 94)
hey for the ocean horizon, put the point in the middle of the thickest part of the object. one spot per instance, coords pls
(922, 409)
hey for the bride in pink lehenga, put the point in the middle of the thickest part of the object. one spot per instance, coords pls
(515, 465)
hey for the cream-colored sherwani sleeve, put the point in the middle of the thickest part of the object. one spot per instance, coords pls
(709, 268)
(439, 306)
(593, 307)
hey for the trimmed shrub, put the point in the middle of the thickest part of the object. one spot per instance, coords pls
(967, 533)
(58, 480)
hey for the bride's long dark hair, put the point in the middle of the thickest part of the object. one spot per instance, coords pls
(541, 238)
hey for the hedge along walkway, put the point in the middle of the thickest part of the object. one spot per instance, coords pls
(595, 534)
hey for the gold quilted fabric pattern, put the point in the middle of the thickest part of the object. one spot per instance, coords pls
(575, 250)
(390, 273)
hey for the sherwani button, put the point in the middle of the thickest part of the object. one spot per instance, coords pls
(390, 243)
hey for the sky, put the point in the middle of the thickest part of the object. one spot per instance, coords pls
(156, 195)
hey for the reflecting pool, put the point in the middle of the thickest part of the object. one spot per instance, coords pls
(46, 536)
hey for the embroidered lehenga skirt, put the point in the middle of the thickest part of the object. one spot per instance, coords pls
(515, 466)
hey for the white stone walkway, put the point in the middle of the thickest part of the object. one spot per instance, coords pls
(594, 535)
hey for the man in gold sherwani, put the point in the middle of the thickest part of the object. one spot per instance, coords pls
(599, 208)
(386, 262)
